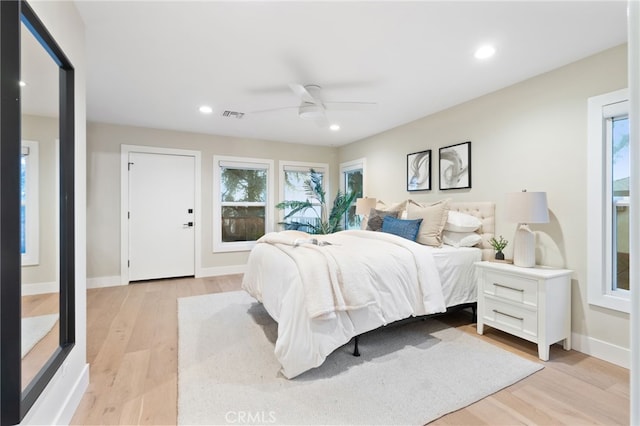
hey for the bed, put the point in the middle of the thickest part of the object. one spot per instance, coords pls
(325, 290)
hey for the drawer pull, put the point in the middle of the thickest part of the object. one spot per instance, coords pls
(508, 315)
(510, 288)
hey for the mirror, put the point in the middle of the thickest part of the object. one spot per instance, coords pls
(39, 213)
(37, 269)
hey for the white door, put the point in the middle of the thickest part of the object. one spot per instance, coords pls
(161, 218)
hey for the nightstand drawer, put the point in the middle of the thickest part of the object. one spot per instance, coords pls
(511, 287)
(510, 318)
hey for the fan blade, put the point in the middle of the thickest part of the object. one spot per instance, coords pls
(350, 106)
(322, 122)
(302, 93)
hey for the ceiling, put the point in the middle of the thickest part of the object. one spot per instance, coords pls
(153, 63)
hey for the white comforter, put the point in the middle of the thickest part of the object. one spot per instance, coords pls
(324, 294)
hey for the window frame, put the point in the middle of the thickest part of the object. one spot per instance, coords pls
(348, 166)
(30, 151)
(601, 110)
(284, 165)
(220, 246)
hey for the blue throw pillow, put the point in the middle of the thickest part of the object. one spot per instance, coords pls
(403, 228)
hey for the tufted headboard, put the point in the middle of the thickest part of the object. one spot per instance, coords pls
(485, 211)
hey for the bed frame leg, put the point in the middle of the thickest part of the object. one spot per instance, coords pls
(474, 313)
(356, 352)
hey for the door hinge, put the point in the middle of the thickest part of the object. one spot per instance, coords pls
(128, 215)
(129, 165)
(128, 264)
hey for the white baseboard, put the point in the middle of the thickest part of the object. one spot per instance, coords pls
(113, 281)
(99, 282)
(40, 288)
(74, 397)
(60, 400)
(603, 350)
(221, 270)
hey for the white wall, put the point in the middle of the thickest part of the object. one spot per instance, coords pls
(44, 130)
(60, 398)
(531, 135)
(103, 180)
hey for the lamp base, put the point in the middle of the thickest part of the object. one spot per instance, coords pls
(524, 249)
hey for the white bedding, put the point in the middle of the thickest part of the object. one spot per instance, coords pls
(457, 273)
(400, 289)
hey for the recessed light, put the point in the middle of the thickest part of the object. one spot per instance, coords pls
(206, 109)
(22, 83)
(334, 127)
(485, 52)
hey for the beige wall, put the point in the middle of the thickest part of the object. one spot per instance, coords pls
(103, 184)
(44, 130)
(531, 135)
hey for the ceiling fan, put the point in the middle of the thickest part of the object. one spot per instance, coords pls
(313, 107)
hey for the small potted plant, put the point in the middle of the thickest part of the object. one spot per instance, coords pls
(498, 246)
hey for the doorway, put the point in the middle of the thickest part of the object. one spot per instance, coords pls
(160, 213)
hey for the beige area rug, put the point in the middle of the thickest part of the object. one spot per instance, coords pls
(407, 374)
(34, 329)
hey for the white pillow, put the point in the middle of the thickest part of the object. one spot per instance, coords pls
(461, 239)
(461, 222)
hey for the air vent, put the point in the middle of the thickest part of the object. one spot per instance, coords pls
(233, 114)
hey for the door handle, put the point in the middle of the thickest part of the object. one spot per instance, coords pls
(187, 225)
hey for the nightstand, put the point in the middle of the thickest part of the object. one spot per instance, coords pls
(531, 303)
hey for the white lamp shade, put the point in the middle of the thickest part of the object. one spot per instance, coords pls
(527, 207)
(364, 205)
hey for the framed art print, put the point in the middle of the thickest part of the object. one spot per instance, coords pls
(419, 171)
(455, 166)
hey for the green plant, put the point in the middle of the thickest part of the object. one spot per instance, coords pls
(498, 245)
(328, 221)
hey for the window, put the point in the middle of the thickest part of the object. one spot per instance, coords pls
(608, 201)
(352, 180)
(242, 202)
(292, 177)
(29, 217)
(618, 133)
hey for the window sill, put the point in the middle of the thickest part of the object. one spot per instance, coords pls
(616, 303)
(220, 247)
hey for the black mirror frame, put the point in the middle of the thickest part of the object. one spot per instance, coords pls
(15, 403)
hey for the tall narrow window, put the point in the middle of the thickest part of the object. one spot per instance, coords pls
(353, 183)
(29, 205)
(608, 201)
(618, 132)
(352, 180)
(293, 176)
(242, 202)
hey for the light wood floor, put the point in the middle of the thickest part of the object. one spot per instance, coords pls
(132, 341)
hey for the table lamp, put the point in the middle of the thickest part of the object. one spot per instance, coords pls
(525, 208)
